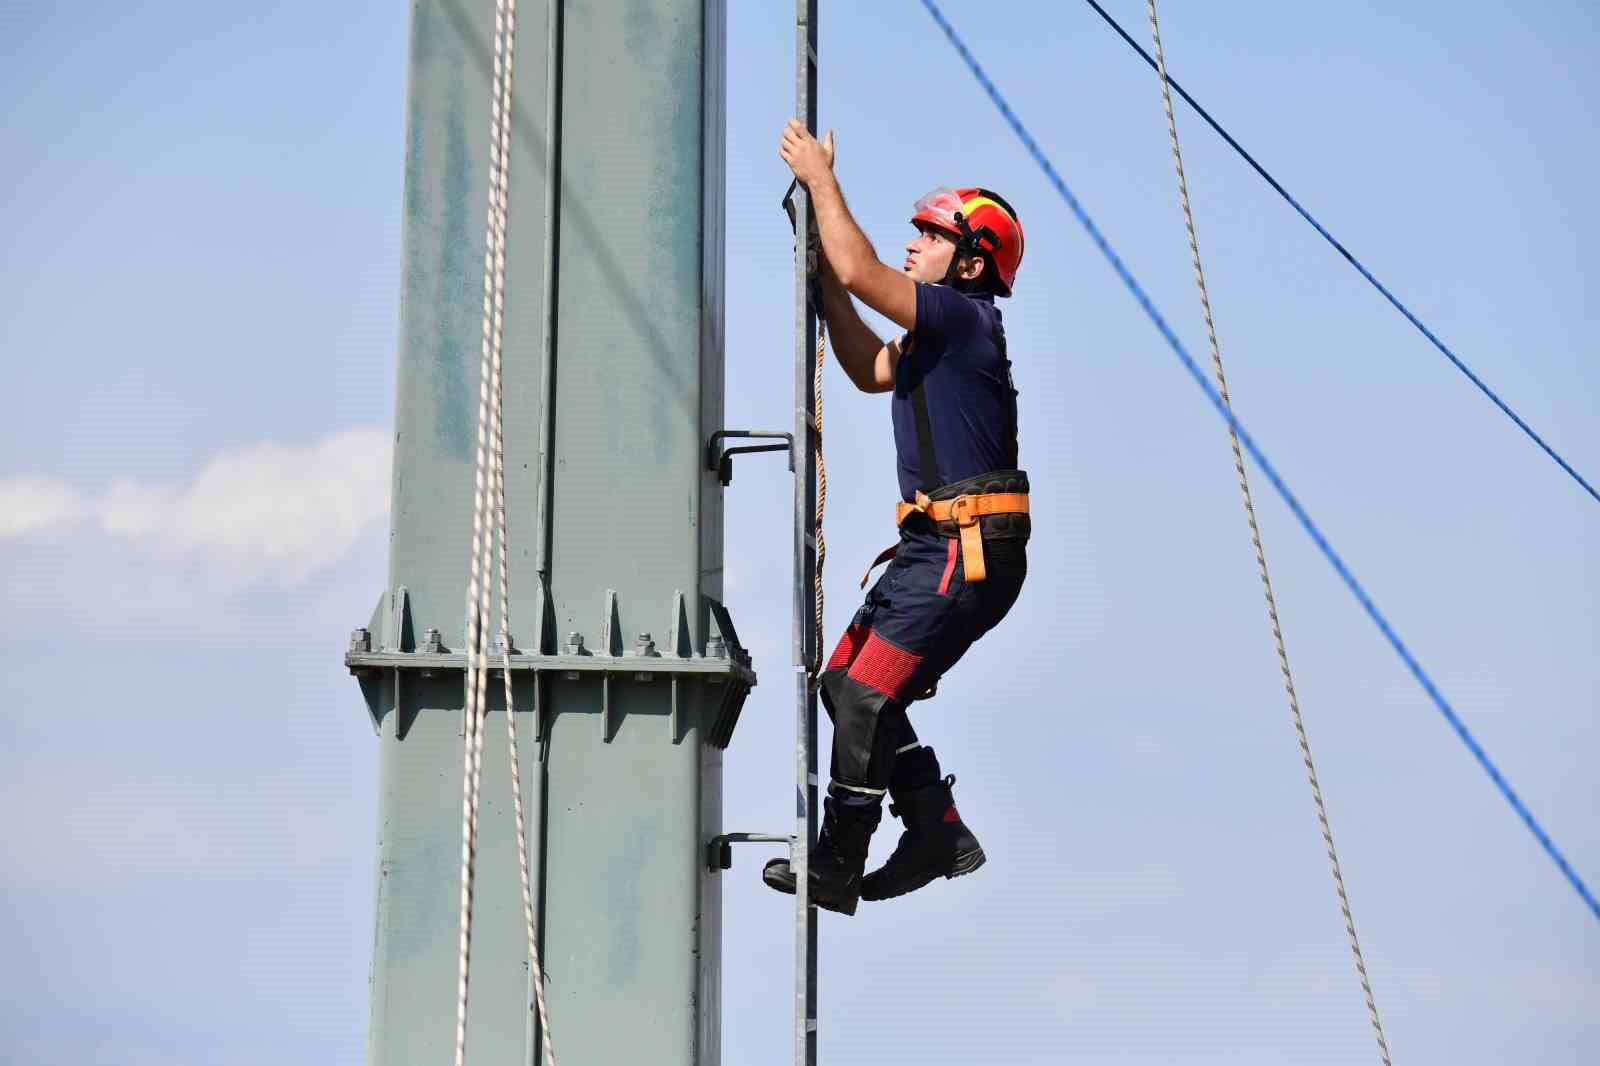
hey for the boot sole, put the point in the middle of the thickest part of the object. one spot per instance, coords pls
(964, 864)
(784, 882)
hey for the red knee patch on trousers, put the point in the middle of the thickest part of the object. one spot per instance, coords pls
(849, 647)
(883, 667)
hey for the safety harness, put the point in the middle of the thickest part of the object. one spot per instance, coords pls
(966, 510)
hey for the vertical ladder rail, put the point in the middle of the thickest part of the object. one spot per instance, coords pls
(806, 655)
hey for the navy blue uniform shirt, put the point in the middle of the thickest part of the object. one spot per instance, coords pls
(966, 380)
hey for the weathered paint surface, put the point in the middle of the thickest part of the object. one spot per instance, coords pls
(630, 919)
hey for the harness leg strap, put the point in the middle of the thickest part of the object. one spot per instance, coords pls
(884, 556)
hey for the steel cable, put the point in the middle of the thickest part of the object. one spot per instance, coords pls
(1353, 261)
(1261, 460)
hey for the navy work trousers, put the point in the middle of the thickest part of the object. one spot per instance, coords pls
(918, 620)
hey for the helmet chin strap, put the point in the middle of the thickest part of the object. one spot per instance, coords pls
(963, 248)
(967, 247)
(952, 274)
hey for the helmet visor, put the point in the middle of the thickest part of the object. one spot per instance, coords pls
(939, 208)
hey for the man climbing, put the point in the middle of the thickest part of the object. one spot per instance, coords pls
(963, 517)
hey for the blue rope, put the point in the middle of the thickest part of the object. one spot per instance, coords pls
(1342, 250)
(1266, 466)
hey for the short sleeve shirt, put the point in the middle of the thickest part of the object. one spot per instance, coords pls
(956, 357)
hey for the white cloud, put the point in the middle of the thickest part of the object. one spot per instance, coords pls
(28, 503)
(271, 509)
(196, 555)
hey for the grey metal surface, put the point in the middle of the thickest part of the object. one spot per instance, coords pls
(613, 383)
(805, 508)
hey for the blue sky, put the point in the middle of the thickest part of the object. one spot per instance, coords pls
(198, 299)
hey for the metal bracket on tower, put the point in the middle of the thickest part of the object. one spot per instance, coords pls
(721, 661)
(719, 852)
(805, 513)
(722, 461)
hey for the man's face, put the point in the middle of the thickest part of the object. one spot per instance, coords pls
(928, 256)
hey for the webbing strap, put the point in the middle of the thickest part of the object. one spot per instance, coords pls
(927, 460)
(973, 567)
(965, 511)
(884, 556)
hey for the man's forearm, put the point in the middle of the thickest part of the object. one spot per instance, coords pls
(846, 247)
(855, 345)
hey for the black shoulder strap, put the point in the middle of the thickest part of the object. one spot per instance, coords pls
(999, 337)
(927, 461)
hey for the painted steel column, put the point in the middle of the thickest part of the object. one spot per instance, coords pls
(613, 382)
(806, 653)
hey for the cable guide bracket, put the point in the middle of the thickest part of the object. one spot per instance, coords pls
(721, 460)
(719, 852)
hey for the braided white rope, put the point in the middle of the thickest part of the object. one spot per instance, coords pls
(529, 923)
(822, 488)
(1261, 556)
(477, 598)
(490, 486)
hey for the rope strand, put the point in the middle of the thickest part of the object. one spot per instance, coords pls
(822, 492)
(489, 484)
(536, 971)
(477, 596)
(1255, 541)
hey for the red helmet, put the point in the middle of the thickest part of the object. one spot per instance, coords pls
(981, 223)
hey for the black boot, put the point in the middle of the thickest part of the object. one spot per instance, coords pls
(936, 842)
(838, 859)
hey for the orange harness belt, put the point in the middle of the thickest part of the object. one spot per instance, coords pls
(965, 512)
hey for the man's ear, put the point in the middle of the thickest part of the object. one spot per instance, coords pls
(977, 264)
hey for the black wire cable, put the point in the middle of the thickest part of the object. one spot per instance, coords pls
(1342, 250)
